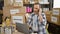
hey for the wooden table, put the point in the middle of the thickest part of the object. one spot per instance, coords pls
(16, 32)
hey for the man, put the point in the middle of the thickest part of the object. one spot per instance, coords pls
(37, 20)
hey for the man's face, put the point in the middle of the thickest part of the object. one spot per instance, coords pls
(36, 8)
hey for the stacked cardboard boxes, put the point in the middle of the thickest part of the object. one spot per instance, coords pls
(55, 17)
(8, 11)
(14, 8)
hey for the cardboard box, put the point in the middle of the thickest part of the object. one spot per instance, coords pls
(18, 3)
(56, 11)
(14, 3)
(55, 19)
(48, 16)
(18, 18)
(25, 1)
(8, 11)
(8, 2)
(48, 12)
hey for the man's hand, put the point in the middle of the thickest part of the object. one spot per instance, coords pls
(40, 16)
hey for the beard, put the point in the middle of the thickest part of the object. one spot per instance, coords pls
(36, 12)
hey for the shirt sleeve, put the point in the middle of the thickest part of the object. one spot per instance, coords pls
(44, 19)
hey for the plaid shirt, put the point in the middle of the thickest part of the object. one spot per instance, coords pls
(34, 23)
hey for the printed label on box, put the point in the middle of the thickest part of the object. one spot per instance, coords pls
(14, 11)
(53, 19)
(55, 12)
(17, 19)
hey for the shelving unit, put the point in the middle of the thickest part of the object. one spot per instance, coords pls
(48, 5)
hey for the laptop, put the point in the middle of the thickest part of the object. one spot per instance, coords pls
(22, 28)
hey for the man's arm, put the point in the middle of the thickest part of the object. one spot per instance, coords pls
(44, 19)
